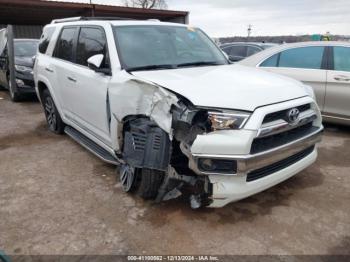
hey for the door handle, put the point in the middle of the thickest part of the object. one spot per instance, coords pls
(71, 79)
(342, 78)
(49, 70)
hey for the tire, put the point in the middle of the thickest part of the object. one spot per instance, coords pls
(149, 183)
(53, 118)
(15, 97)
(6, 85)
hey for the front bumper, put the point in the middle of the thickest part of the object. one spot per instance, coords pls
(25, 82)
(249, 162)
(228, 188)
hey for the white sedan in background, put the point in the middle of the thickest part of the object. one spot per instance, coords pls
(323, 65)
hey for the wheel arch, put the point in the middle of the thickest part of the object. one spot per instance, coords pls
(117, 128)
(42, 85)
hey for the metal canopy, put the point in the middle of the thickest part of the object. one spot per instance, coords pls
(38, 12)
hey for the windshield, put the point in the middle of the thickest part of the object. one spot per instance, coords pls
(25, 48)
(157, 47)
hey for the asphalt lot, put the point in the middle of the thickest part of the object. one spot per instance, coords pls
(57, 198)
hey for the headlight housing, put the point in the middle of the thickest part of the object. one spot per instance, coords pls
(227, 120)
(23, 69)
(19, 82)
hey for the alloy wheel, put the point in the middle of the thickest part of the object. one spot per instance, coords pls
(127, 177)
(50, 113)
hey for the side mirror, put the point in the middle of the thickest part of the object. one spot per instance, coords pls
(95, 62)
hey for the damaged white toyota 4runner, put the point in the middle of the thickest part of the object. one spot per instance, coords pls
(162, 102)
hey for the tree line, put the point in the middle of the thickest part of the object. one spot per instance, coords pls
(146, 4)
(278, 39)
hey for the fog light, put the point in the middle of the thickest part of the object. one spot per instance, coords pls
(223, 166)
(19, 82)
(206, 164)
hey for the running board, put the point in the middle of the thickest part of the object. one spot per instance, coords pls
(90, 145)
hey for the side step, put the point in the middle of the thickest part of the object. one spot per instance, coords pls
(90, 145)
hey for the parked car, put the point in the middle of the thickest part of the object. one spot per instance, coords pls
(323, 65)
(24, 52)
(239, 50)
(162, 102)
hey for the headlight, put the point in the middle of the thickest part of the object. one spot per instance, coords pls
(227, 120)
(19, 82)
(23, 69)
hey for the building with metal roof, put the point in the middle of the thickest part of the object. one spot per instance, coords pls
(37, 13)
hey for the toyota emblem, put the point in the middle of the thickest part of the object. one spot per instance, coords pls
(293, 115)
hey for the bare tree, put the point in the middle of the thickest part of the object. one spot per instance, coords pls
(146, 4)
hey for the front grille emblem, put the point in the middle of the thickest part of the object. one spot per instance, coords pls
(293, 116)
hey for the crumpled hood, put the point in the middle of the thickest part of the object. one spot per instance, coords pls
(227, 86)
(24, 61)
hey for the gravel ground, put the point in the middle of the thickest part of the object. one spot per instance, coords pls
(57, 198)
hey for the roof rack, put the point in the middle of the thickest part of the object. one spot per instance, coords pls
(85, 18)
(105, 18)
(63, 20)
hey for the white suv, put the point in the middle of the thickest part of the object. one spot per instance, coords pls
(162, 102)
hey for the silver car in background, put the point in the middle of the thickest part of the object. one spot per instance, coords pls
(237, 51)
(323, 65)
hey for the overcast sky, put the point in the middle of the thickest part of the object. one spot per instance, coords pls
(268, 17)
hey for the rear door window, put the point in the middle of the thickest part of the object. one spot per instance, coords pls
(65, 44)
(92, 41)
(341, 58)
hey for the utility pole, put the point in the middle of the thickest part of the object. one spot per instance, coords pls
(92, 8)
(249, 31)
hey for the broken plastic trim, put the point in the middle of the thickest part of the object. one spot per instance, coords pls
(174, 185)
(147, 133)
(188, 122)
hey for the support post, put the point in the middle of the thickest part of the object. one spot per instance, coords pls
(11, 56)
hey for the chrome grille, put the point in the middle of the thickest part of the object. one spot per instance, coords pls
(277, 131)
(282, 114)
(266, 143)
